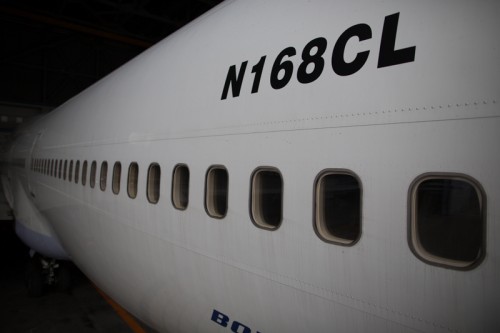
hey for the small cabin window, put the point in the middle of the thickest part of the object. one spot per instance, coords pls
(77, 171)
(447, 224)
(70, 175)
(337, 213)
(180, 187)
(266, 198)
(60, 169)
(153, 185)
(52, 167)
(84, 173)
(216, 192)
(117, 172)
(65, 170)
(93, 173)
(103, 176)
(133, 175)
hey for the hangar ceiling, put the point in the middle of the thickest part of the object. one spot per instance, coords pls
(53, 49)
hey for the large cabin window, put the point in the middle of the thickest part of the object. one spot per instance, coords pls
(153, 184)
(337, 212)
(216, 191)
(117, 171)
(266, 198)
(447, 220)
(93, 172)
(180, 187)
(103, 176)
(133, 175)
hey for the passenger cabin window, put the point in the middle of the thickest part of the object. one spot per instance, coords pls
(65, 170)
(180, 187)
(216, 192)
(133, 175)
(266, 198)
(117, 172)
(84, 173)
(60, 169)
(337, 212)
(77, 171)
(103, 176)
(153, 184)
(447, 220)
(70, 176)
(93, 172)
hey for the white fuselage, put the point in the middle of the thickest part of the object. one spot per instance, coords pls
(186, 271)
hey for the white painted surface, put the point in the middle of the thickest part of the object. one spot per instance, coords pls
(172, 268)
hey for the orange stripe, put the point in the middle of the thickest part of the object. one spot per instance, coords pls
(124, 315)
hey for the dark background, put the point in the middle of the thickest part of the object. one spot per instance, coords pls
(53, 49)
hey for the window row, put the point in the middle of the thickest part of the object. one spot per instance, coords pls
(446, 211)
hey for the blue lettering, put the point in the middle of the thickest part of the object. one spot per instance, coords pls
(239, 328)
(220, 318)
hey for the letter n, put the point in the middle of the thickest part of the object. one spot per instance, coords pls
(234, 80)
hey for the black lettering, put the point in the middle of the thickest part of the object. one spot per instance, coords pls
(285, 66)
(257, 70)
(316, 59)
(388, 56)
(233, 80)
(342, 68)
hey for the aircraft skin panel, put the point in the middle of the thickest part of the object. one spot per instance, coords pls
(184, 271)
(236, 243)
(426, 81)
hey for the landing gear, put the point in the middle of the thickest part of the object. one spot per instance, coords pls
(42, 272)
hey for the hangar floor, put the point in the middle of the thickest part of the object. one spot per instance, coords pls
(82, 310)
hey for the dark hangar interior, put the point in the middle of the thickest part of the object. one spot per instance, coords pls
(53, 49)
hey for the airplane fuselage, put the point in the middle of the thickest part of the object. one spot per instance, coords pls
(284, 167)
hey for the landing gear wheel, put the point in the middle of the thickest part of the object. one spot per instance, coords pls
(63, 278)
(34, 278)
